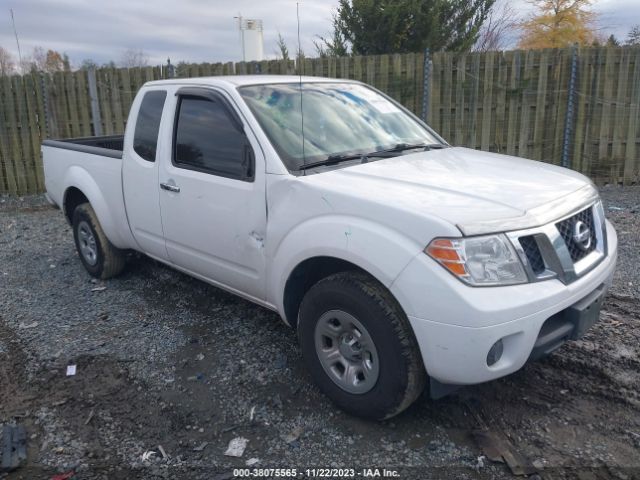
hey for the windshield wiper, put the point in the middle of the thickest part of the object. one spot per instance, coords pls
(363, 157)
(400, 147)
(333, 160)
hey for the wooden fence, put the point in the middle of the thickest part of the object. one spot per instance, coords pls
(580, 108)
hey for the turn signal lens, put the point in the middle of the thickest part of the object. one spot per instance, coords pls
(479, 261)
(445, 251)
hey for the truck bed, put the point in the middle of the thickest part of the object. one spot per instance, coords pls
(106, 146)
(93, 165)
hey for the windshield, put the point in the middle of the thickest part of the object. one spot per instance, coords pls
(339, 118)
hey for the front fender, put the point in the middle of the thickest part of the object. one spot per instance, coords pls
(378, 250)
(81, 179)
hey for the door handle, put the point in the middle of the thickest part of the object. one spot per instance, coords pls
(170, 188)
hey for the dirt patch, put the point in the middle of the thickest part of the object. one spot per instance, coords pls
(74, 421)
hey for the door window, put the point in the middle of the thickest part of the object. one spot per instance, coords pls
(145, 138)
(208, 140)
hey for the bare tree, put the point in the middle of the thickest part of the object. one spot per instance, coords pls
(42, 60)
(321, 50)
(500, 23)
(633, 38)
(134, 58)
(36, 61)
(7, 65)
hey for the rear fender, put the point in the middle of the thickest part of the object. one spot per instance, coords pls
(81, 179)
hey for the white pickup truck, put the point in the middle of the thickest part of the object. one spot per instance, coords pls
(398, 258)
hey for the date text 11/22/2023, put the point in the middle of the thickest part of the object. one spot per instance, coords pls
(316, 473)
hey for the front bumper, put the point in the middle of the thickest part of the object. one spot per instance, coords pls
(456, 325)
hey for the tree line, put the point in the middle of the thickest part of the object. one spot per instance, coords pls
(374, 27)
(51, 61)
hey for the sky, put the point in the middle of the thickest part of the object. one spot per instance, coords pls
(196, 30)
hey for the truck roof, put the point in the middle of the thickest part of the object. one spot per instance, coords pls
(242, 80)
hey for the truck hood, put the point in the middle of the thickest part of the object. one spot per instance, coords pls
(479, 192)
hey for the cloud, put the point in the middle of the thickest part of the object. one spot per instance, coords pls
(617, 16)
(189, 30)
(193, 30)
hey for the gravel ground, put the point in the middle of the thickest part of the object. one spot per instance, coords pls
(166, 360)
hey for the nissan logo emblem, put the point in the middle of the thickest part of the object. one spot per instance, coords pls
(581, 235)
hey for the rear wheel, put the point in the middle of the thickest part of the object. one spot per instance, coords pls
(359, 347)
(98, 255)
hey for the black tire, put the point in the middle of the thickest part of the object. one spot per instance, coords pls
(401, 374)
(109, 261)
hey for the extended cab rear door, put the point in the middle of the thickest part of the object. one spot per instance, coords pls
(142, 153)
(212, 194)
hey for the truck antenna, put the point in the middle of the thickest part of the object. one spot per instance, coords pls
(304, 159)
(15, 32)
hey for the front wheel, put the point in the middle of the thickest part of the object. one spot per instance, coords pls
(359, 347)
(98, 255)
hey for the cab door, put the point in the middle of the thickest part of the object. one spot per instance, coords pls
(140, 173)
(212, 195)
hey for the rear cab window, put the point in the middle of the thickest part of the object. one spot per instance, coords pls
(145, 138)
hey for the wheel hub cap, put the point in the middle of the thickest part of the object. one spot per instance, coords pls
(346, 352)
(350, 348)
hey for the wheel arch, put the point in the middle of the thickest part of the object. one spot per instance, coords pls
(80, 188)
(329, 244)
(73, 197)
(306, 274)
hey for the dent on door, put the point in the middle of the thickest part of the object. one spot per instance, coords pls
(213, 205)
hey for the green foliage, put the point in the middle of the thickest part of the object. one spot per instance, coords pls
(375, 27)
(88, 63)
(336, 46)
(612, 41)
(283, 50)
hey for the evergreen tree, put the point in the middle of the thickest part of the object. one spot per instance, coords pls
(374, 27)
(283, 50)
(612, 41)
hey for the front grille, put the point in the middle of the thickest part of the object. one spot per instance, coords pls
(531, 250)
(567, 230)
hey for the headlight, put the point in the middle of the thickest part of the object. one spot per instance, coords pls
(479, 261)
